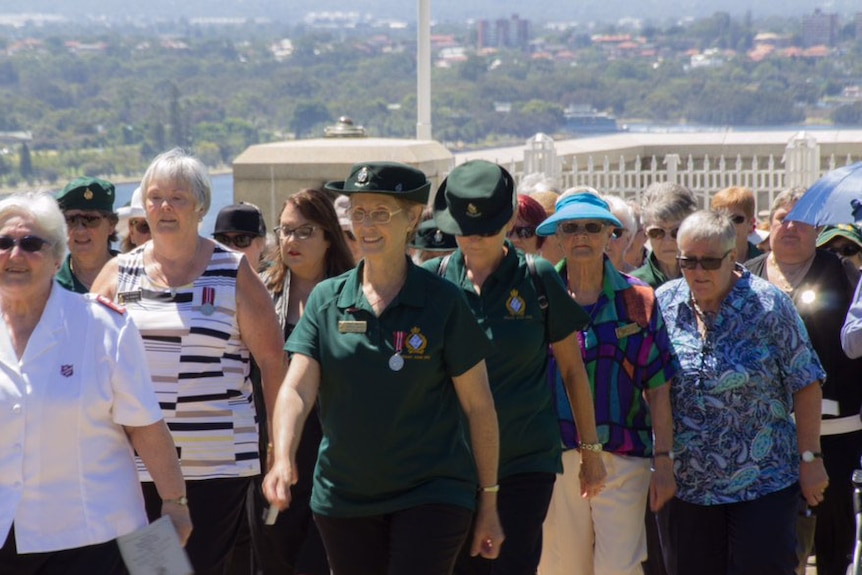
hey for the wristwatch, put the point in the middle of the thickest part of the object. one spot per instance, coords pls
(809, 456)
(182, 501)
(669, 454)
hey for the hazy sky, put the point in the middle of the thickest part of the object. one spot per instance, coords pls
(607, 10)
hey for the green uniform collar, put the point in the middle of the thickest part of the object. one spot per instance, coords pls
(503, 273)
(412, 294)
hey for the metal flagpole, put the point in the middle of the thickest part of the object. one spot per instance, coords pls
(423, 71)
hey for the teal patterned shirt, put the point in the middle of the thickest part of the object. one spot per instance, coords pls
(734, 437)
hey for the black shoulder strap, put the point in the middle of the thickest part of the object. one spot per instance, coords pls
(537, 281)
(444, 265)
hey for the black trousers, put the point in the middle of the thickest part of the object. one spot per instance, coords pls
(421, 540)
(102, 558)
(835, 529)
(216, 507)
(749, 538)
(522, 504)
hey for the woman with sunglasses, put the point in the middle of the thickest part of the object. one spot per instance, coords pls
(821, 285)
(523, 233)
(843, 240)
(746, 412)
(77, 400)
(132, 226)
(241, 227)
(476, 204)
(202, 310)
(311, 247)
(628, 358)
(396, 361)
(665, 206)
(88, 206)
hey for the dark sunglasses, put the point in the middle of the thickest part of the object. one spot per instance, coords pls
(659, 233)
(30, 244)
(522, 232)
(141, 226)
(709, 264)
(738, 219)
(88, 221)
(847, 250)
(571, 228)
(237, 241)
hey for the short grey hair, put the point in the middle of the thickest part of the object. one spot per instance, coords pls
(181, 167)
(579, 190)
(786, 198)
(708, 226)
(667, 202)
(625, 214)
(46, 214)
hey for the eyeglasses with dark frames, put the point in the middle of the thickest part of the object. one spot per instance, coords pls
(657, 233)
(89, 221)
(708, 264)
(572, 228)
(378, 216)
(522, 232)
(238, 241)
(29, 244)
(302, 232)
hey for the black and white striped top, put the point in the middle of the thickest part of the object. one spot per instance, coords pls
(199, 364)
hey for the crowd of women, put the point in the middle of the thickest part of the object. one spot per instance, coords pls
(510, 401)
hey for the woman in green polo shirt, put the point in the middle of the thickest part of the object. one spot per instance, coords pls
(506, 291)
(394, 357)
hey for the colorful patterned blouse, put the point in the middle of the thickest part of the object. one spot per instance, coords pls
(626, 351)
(734, 437)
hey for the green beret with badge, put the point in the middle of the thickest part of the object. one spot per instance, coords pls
(87, 194)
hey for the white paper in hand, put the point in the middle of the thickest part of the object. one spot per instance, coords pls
(155, 550)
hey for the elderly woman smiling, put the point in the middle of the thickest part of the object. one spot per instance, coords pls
(77, 398)
(746, 364)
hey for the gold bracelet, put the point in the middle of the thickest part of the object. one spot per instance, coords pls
(182, 501)
(490, 489)
(594, 447)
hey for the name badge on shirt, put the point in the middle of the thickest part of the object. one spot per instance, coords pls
(627, 330)
(349, 326)
(127, 297)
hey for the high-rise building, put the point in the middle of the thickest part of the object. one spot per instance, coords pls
(820, 29)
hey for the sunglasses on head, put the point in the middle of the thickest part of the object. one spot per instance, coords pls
(657, 233)
(141, 226)
(846, 250)
(522, 232)
(571, 228)
(738, 219)
(237, 241)
(87, 220)
(30, 244)
(709, 264)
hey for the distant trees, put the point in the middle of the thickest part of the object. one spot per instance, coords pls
(113, 111)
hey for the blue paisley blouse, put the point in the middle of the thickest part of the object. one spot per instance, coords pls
(734, 438)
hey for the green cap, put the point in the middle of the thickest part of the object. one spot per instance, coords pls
(391, 178)
(478, 197)
(431, 239)
(87, 194)
(848, 231)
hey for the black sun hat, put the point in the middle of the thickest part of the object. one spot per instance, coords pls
(391, 178)
(431, 239)
(478, 197)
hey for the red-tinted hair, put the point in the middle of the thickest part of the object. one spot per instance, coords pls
(531, 212)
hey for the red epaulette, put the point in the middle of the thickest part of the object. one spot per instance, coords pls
(110, 305)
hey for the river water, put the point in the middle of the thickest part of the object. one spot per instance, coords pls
(222, 195)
